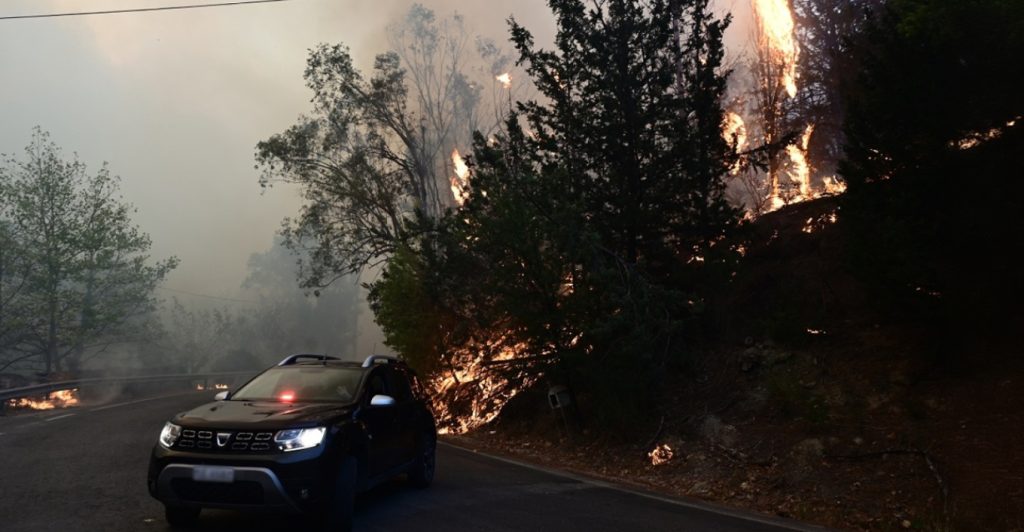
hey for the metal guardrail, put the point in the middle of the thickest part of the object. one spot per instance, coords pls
(36, 390)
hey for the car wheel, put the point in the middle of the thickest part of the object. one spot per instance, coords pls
(181, 516)
(338, 514)
(421, 474)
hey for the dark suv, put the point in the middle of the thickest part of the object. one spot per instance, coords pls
(302, 437)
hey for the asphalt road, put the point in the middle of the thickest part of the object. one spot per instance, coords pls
(85, 468)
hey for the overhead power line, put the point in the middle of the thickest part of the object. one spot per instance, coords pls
(139, 9)
(207, 296)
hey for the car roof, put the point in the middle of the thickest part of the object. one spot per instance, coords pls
(312, 360)
(324, 364)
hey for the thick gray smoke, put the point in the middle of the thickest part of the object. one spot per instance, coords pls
(177, 100)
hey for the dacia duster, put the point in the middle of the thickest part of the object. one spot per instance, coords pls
(302, 437)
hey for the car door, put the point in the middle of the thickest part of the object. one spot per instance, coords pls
(381, 425)
(406, 432)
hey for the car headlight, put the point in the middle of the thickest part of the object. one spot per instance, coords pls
(299, 439)
(169, 435)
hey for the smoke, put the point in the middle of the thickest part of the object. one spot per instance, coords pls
(177, 100)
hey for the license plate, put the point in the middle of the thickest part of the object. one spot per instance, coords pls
(224, 475)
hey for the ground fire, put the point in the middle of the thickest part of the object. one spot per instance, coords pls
(53, 401)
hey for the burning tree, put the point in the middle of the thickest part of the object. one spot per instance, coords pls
(373, 159)
(792, 100)
(589, 223)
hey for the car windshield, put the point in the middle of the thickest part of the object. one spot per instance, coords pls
(302, 384)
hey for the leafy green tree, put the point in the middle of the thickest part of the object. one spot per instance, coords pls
(409, 309)
(14, 268)
(85, 275)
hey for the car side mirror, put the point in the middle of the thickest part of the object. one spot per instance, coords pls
(222, 396)
(382, 400)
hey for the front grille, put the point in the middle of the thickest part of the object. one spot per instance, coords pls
(235, 442)
(242, 492)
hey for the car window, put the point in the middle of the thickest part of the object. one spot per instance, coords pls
(376, 385)
(398, 384)
(302, 384)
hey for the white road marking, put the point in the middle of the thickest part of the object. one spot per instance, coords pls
(116, 405)
(58, 417)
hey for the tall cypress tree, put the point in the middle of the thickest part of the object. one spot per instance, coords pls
(631, 122)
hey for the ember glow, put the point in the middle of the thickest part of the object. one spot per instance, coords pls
(813, 224)
(778, 35)
(833, 185)
(978, 138)
(55, 400)
(460, 182)
(661, 455)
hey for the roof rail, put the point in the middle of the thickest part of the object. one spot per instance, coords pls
(294, 359)
(383, 359)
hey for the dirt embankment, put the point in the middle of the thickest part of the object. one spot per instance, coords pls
(826, 411)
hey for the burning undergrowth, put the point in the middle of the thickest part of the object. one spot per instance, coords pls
(473, 389)
(52, 401)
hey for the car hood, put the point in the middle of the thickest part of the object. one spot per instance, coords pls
(262, 415)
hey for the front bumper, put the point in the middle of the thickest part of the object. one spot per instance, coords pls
(296, 482)
(253, 488)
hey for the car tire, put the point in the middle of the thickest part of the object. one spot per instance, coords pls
(337, 516)
(421, 474)
(181, 516)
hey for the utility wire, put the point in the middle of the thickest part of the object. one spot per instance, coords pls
(207, 296)
(139, 9)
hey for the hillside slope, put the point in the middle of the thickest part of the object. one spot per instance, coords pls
(818, 401)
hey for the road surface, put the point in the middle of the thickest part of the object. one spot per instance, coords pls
(85, 469)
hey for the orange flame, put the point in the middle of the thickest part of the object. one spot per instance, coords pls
(734, 129)
(57, 399)
(833, 185)
(800, 174)
(460, 183)
(778, 31)
(488, 391)
(661, 455)
(505, 80)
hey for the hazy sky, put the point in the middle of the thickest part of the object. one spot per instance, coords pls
(177, 100)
